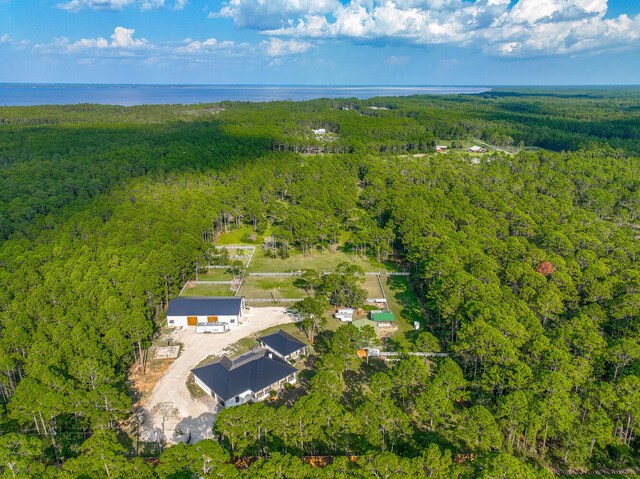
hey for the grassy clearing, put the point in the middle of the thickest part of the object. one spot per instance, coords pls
(372, 286)
(404, 305)
(214, 274)
(270, 287)
(318, 261)
(208, 290)
(242, 235)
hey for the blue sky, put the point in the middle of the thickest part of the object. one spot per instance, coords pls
(397, 42)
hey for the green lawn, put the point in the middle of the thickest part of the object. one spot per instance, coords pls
(240, 236)
(404, 305)
(270, 287)
(372, 286)
(208, 290)
(214, 274)
(318, 261)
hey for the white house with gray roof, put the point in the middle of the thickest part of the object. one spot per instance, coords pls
(283, 345)
(247, 378)
(207, 314)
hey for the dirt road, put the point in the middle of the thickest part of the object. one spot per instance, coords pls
(170, 414)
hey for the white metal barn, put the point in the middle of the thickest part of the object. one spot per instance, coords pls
(206, 314)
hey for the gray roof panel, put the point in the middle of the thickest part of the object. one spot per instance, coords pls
(282, 342)
(205, 306)
(254, 371)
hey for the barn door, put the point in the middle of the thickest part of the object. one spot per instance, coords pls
(212, 319)
(192, 320)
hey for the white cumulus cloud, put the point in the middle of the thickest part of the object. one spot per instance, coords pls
(497, 27)
(122, 40)
(276, 47)
(264, 14)
(77, 5)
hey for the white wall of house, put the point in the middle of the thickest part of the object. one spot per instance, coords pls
(232, 322)
(240, 399)
(203, 386)
(248, 395)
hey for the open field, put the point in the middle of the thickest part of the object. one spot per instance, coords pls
(270, 287)
(244, 235)
(403, 303)
(208, 290)
(372, 286)
(318, 261)
(214, 274)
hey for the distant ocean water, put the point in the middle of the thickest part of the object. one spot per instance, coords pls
(128, 95)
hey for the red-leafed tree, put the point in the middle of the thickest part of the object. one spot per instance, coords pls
(545, 268)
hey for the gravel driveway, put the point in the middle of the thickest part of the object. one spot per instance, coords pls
(170, 405)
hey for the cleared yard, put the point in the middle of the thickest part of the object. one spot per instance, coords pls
(208, 290)
(270, 287)
(214, 274)
(405, 306)
(318, 261)
(372, 286)
(244, 235)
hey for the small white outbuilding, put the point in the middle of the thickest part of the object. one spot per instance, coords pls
(345, 314)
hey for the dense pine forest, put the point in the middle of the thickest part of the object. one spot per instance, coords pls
(526, 260)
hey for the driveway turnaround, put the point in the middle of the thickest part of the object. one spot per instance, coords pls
(170, 414)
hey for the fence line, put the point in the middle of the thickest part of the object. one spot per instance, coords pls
(291, 273)
(381, 288)
(212, 282)
(271, 300)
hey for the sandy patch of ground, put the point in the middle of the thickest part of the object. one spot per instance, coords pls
(167, 352)
(170, 414)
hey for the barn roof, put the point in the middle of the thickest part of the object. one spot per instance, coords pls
(205, 306)
(282, 343)
(382, 316)
(253, 371)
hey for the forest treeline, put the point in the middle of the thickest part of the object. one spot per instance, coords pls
(51, 156)
(527, 265)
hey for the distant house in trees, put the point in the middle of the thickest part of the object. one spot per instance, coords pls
(477, 149)
(283, 345)
(345, 314)
(247, 378)
(206, 314)
(383, 319)
(320, 131)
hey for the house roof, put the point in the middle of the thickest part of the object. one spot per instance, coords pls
(253, 371)
(205, 306)
(282, 343)
(382, 316)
